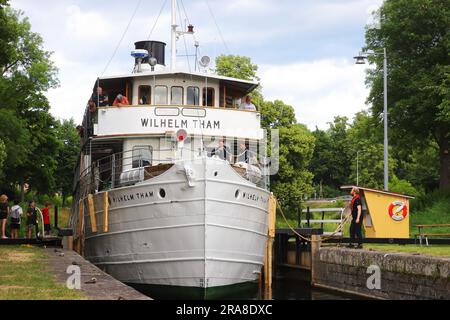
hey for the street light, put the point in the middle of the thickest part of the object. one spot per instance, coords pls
(361, 60)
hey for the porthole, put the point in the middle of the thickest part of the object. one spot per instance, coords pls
(162, 193)
(237, 194)
(216, 173)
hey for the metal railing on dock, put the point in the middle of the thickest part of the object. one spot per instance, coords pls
(308, 221)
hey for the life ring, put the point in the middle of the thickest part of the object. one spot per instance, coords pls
(400, 213)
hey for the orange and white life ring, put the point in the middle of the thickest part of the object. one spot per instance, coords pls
(400, 212)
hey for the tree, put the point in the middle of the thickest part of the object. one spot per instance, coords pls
(2, 155)
(415, 34)
(28, 128)
(67, 156)
(294, 181)
(366, 151)
(236, 67)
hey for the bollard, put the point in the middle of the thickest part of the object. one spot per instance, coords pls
(56, 217)
(315, 246)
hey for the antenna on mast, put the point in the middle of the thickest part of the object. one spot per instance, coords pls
(175, 35)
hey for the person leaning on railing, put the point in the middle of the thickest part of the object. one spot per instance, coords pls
(98, 99)
(121, 101)
(247, 104)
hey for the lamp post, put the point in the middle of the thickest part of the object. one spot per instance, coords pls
(361, 59)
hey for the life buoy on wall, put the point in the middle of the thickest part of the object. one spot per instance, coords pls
(399, 213)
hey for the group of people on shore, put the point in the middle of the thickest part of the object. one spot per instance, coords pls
(15, 213)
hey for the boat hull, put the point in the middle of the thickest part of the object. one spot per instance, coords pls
(199, 225)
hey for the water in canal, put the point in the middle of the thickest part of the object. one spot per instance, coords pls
(285, 289)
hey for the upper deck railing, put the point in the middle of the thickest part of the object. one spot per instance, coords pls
(134, 166)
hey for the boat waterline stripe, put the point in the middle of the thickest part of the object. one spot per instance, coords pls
(146, 229)
(178, 260)
(184, 201)
(174, 227)
(236, 228)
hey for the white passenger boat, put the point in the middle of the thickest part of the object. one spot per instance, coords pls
(154, 206)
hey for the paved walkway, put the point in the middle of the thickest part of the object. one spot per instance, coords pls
(105, 286)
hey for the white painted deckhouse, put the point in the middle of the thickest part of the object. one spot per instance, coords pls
(154, 205)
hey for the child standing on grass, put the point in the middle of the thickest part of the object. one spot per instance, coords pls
(16, 214)
(4, 212)
(32, 218)
(46, 216)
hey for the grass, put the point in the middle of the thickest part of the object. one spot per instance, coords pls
(433, 250)
(24, 275)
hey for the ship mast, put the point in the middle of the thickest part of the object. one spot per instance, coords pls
(174, 36)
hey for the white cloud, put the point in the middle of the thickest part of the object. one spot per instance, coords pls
(317, 90)
(88, 25)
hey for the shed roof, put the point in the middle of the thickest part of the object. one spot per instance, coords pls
(379, 191)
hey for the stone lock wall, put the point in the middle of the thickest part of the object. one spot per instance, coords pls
(402, 276)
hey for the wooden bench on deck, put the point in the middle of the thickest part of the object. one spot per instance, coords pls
(425, 236)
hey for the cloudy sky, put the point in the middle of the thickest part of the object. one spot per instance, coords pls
(303, 48)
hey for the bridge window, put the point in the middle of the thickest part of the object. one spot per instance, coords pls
(208, 97)
(160, 95)
(142, 156)
(144, 94)
(193, 94)
(176, 95)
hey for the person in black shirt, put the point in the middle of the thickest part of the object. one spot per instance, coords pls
(32, 219)
(222, 151)
(356, 225)
(245, 155)
(99, 99)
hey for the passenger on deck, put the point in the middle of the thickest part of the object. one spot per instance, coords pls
(247, 104)
(4, 212)
(222, 151)
(121, 101)
(143, 100)
(98, 99)
(245, 155)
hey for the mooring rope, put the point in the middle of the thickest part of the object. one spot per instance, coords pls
(339, 228)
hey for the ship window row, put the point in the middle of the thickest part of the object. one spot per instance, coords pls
(176, 96)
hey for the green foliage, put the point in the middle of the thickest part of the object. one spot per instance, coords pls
(426, 200)
(2, 155)
(294, 182)
(236, 67)
(67, 156)
(27, 128)
(415, 34)
(332, 157)
(276, 114)
(403, 187)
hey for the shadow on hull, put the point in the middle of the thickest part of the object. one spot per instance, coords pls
(241, 291)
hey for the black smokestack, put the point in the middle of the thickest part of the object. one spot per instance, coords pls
(156, 49)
